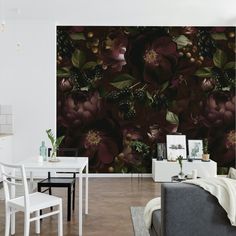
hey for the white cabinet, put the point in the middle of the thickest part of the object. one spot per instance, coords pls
(5, 149)
(162, 171)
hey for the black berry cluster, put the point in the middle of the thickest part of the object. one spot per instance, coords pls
(125, 93)
(140, 95)
(124, 105)
(223, 78)
(65, 45)
(130, 114)
(206, 44)
(160, 102)
(113, 96)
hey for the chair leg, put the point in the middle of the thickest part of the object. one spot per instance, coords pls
(60, 222)
(7, 221)
(50, 193)
(73, 197)
(37, 223)
(69, 204)
(26, 224)
(39, 190)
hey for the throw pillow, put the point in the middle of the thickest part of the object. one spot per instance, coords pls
(232, 173)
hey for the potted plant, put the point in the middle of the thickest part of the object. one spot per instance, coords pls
(55, 142)
(205, 155)
(181, 174)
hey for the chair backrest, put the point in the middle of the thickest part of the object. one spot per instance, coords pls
(10, 180)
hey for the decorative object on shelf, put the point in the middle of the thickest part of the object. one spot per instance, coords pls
(55, 145)
(181, 175)
(205, 155)
(161, 151)
(194, 173)
(195, 149)
(43, 151)
(176, 146)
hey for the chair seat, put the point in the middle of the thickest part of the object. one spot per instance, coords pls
(36, 201)
(57, 181)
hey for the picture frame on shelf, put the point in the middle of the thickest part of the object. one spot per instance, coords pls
(176, 146)
(161, 151)
(195, 148)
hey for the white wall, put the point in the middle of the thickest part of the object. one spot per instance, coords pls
(27, 81)
(27, 73)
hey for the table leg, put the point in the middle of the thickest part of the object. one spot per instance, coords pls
(86, 191)
(80, 200)
(13, 215)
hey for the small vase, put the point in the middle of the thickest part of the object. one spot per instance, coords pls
(181, 175)
(205, 157)
(53, 157)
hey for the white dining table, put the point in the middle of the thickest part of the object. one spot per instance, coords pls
(66, 164)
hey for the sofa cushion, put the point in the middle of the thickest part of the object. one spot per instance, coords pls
(156, 221)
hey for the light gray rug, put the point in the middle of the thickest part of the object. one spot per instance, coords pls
(138, 221)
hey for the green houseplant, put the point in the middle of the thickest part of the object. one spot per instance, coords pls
(180, 161)
(205, 155)
(55, 142)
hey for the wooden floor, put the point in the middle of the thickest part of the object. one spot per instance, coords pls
(109, 208)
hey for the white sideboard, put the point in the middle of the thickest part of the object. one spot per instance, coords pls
(162, 171)
(5, 149)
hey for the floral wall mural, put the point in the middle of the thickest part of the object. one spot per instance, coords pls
(120, 90)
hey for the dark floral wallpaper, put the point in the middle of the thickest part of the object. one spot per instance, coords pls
(120, 90)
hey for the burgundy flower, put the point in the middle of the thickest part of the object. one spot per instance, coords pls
(65, 85)
(208, 84)
(113, 52)
(101, 148)
(81, 108)
(152, 57)
(189, 30)
(184, 70)
(219, 109)
(224, 147)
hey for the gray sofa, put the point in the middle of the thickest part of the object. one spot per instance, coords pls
(188, 210)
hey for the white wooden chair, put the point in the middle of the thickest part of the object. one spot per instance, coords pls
(29, 203)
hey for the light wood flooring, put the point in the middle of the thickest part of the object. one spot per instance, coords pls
(110, 200)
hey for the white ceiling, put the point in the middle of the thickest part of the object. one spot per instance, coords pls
(117, 12)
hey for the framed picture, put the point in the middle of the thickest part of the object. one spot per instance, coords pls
(176, 146)
(195, 149)
(161, 151)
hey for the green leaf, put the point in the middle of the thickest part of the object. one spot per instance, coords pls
(122, 81)
(230, 65)
(102, 91)
(219, 58)
(89, 65)
(149, 96)
(164, 86)
(203, 72)
(181, 41)
(219, 36)
(51, 136)
(172, 118)
(77, 36)
(58, 141)
(63, 72)
(78, 58)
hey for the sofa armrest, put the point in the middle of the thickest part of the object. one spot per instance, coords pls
(190, 210)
